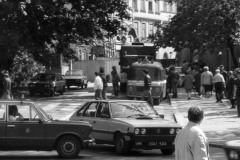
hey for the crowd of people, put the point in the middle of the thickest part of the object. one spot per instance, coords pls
(201, 81)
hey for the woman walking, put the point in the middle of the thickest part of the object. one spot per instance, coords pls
(188, 83)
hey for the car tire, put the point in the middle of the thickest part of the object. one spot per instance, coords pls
(167, 151)
(82, 86)
(52, 93)
(157, 101)
(121, 145)
(86, 85)
(68, 147)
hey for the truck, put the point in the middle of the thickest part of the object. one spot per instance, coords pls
(133, 59)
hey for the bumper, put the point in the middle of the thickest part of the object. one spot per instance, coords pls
(40, 90)
(152, 142)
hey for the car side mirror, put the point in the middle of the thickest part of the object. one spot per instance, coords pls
(105, 116)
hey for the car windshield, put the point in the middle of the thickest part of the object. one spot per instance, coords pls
(132, 109)
(74, 73)
(42, 112)
(45, 77)
(137, 74)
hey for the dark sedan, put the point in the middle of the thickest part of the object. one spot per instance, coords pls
(25, 126)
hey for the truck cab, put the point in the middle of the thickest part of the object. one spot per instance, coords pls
(135, 84)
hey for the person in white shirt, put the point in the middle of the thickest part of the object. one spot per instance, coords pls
(219, 83)
(206, 81)
(191, 142)
(98, 86)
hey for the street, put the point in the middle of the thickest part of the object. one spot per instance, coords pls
(62, 106)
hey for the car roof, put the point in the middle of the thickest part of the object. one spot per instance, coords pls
(114, 100)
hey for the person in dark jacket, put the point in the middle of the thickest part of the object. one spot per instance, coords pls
(6, 86)
(173, 79)
(236, 92)
(147, 87)
(230, 88)
(197, 83)
(115, 80)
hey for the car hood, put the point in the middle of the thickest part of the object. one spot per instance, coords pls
(235, 144)
(74, 77)
(41, 82)
(155, 122)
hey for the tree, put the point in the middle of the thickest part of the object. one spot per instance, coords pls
(203, 25)
(47, 27)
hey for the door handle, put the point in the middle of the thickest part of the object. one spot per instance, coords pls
(10, 126)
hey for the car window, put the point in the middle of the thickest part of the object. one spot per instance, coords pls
(2, 112)
(22, 112)
(91, 110)
(83, 108)
(103, 110)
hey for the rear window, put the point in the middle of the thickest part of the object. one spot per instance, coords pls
(155, 74)
(74, 73)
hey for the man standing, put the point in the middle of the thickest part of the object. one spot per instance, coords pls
(147, 87)
(6, 86)
(191, 142)
(105, 85)
(98, 86)
(236, 91)
(173, 78)
(230, 88)
(115, 80)
(219, 83)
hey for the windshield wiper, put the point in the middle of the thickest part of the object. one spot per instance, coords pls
(136, 115)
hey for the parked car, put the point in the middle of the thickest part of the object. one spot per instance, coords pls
(128, 124)
(33, 129)
(47, 83)
(76, 78)
(232, 149)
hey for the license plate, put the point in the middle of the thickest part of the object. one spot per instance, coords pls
(157, 143)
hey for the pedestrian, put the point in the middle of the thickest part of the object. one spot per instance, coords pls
(6, 86)
(197, 82)
(236, 91)
(115, 81)
(147, 87)
(219, 83)
(230, 88)
(104, 81)
(206, 81)
(188, 83)
(98, 86)
(185, 66)
(174, 79)
(123, 81)
(191, 142)
(225, 76)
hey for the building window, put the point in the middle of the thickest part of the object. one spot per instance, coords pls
(150, 6)
(164, 6)
(174, 6)
(157, 7)
(143, 31)
(142, 9)
(150, 29)
(135, 5)
(169, 7)
(136, 28)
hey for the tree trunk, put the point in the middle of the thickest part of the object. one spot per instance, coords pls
(231, 47)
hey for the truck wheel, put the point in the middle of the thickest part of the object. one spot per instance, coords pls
(121, 145)
(167, 151)
(82, 86)
(86, 85)
(68, 147)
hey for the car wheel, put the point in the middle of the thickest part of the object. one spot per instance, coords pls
(82, 86)
(121, 145)
(52, 93)
(86, 85)
(68, 147)
(167, 151)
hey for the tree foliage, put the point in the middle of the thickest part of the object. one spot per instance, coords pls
(203, 25)
(46, 27)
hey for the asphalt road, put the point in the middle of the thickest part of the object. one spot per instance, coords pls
(62, 106)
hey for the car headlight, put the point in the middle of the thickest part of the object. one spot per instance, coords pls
(233, 155)
(172, 131)
(137, 131)
(130, 89)
(157, 90)
(143, 131)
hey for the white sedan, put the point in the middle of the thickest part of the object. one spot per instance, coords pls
(128, 124)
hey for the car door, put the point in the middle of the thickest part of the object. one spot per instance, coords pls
(25, 133)
(2, 124)
(102, 121)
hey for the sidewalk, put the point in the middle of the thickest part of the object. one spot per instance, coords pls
(220, 123)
